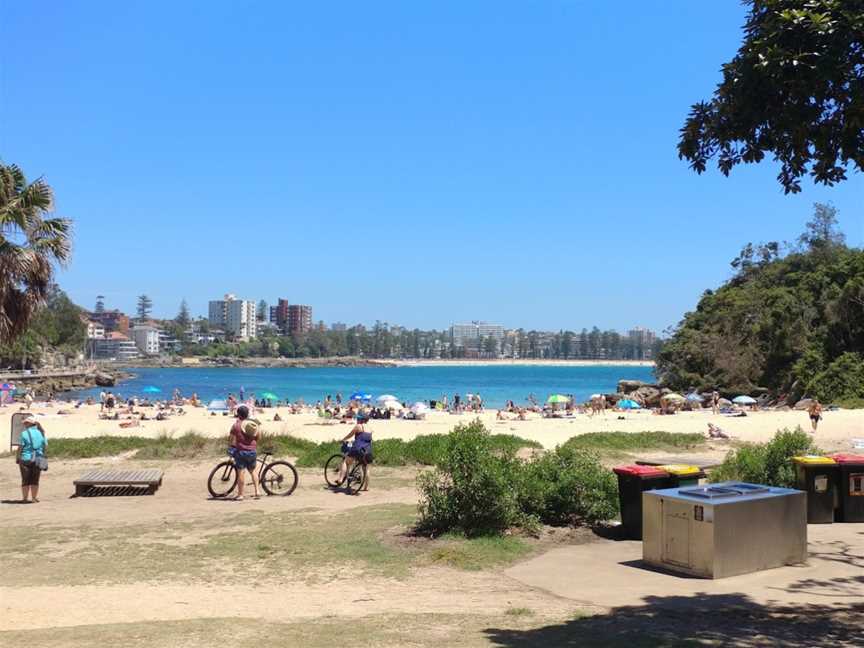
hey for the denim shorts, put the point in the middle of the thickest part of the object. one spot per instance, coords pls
(245, 459)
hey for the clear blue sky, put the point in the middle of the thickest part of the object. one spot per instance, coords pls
(413, 162)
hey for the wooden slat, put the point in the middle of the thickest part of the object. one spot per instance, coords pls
(119, 477)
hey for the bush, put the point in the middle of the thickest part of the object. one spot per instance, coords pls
(842, 379)
(569, 486)
(767, 463)
(479, 487)
(472, 490)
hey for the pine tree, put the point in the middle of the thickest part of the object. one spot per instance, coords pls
(145, 307)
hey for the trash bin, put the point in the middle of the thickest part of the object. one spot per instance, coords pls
(850, 487)
(683, 474)
(817, 476)
(632, 481)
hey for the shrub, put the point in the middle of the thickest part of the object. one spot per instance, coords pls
(472, 490)
(480, 488)
(767, 463)
(569, 486)
(842, 379)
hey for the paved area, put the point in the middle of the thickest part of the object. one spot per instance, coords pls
(610, 574)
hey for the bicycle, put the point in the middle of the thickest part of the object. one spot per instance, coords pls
(356, 476)
(276, 477)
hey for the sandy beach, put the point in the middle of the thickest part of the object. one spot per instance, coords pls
(509, 362)
(836, 431)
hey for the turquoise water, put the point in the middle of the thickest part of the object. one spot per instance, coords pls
(496, 384)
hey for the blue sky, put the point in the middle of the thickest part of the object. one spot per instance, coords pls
(419, 163)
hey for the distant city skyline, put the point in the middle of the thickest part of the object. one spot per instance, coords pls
(420, 163)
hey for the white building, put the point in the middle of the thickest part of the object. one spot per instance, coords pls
(237, 317)
(146, 338)
(95, 330)
(471, 336)
(114, 346)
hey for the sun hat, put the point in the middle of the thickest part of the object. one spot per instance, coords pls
(250, 427)
(29, 419)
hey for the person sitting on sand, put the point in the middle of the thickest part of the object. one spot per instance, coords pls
(276, 417)
(500, 416)
(815, 412)
(361, 449)
(714, 432)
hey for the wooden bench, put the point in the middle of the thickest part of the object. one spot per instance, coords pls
(119, 479)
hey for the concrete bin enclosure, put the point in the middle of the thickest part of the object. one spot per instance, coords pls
(724, 529)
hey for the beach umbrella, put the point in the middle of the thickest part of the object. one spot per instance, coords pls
(269, 396)
(217, 406)
(361, 396)
(558, 398)
(392, 405)
(593, 396)
(627, 403)
(673, 397)
(419, 408)
(694, 398)
(386, 397)
(744, 400)
(151, 389)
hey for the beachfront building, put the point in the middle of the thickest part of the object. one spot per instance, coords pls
(299, 319)
(94, 328)
(146, 338)
(477, 339)
(114, 346)
(111, 320)
(237, 317)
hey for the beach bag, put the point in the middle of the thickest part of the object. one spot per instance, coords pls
(41, 463)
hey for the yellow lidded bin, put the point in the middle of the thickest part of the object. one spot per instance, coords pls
(685, 474)
(813, 460)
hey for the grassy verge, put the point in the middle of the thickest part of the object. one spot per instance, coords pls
(423, 450)
(619, 443)
(307, 545)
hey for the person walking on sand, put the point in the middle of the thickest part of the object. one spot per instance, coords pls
(31, 449)
(715, 402)
(815, 412)
(243, 440)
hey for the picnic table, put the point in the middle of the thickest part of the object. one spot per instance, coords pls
(119, 479)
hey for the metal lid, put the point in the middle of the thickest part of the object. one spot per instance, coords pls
(813, 459)
(644, 471)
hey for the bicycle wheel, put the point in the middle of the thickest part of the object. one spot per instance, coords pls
(222, 480)
(355, 479)
(331, 471)
(279, 478)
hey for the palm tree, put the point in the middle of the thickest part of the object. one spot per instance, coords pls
(30, 245)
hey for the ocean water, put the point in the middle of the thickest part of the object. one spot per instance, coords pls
(496, 384)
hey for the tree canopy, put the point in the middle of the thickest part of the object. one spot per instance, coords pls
(30, 245)
(792, 325)
(795, 90)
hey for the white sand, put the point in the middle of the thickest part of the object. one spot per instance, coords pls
(836, 431)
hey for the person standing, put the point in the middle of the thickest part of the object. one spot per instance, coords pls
(715, 402)
(815, 412)
(31, 448)
(243, 439)
(28, 399)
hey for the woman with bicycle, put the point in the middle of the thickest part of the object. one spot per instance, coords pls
(243, 440)
(360, 450)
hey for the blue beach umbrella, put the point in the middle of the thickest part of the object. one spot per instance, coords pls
(694, 398)
(744, 400)
(361, 396)
(217, 406)
(151, 389)
(626, 403)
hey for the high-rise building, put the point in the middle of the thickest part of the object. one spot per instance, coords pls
(338, 326)
(471, 337)
(642, 336)
(237, 317)
(282, 315)
(299, 319)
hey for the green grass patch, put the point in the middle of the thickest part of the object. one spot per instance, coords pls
(424, 450)
(624, 442)
(479, 553)
(519, 611)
